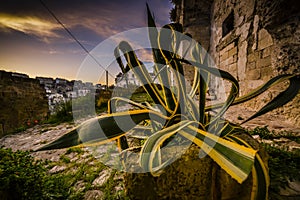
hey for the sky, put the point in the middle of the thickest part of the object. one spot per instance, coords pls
(32, 42)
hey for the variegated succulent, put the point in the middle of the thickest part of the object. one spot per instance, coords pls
(178, 113)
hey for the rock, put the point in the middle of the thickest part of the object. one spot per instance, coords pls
(79, 186)
(103, 178)
(281, 140)
(293, 145)
(94, 194)
(267, 141)
(256, 137)
(292, 190)
(295, 186)
(57, 169)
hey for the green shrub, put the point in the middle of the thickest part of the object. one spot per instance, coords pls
(80, 107)
(23, 177)
(63, 113)
(75, 150)
(283, 166)
(265, 133)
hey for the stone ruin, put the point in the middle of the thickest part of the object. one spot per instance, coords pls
(254, 40)
(23, 102)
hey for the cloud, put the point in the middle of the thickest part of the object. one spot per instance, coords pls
(29, 25)
(102, 18)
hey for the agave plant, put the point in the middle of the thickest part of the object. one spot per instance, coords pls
(178, 113)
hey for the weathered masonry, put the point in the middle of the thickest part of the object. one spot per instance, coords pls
(22, 102)
(254, 40)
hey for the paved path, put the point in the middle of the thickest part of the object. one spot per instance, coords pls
(276, 123)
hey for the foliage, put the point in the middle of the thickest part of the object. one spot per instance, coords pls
(178, 117)
(265, 133)
(22, 177)
(283, 166)
(74, 150)
(63, 113)
(20, 129)
(82, 107)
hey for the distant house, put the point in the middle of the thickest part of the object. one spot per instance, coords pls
(15, 74)
(48, 83)
(71, 94)
(89, 85)
(60, 81)
(125, 80)
(83, 92)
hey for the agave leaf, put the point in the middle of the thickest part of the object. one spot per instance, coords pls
(281, 99)
(202, 90)
(260, 174)
(256, 92)
(142, 74)
(102, 129)
(222, 74)
(160, 63)
(196, 82)
(168, 41)
(112, 104)
(193, 109)
(235, 159)
(153, 143)
(262, 180)
(224, 128)
(232, 95)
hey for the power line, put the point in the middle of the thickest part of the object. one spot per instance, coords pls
(74, 38)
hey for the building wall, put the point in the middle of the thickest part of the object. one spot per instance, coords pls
(22, 101)
(263, 42)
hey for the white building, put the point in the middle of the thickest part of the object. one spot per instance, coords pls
(54, 100)
(83, 92)
(71, 94)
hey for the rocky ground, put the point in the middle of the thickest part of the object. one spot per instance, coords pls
(107, 182)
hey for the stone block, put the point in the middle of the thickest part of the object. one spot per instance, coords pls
(232, 68)
(254, 84)
(265, 43)
(254, 33)
(224, 64)
(232, 59)
(267, 72)
(264, 62)
(254, 74)
(223, 55)
(244, 31)
(232, 51)
(242, 60)
(264, 39)
(253, 57)
(251, 65)
(229, 46)
(266, 52)
(263, 33)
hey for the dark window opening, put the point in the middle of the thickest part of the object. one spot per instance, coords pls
(228, 24)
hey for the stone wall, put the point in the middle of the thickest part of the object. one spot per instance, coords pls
(22, 101)
(254, 40)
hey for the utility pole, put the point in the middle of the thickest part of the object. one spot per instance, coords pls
(106, 72)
